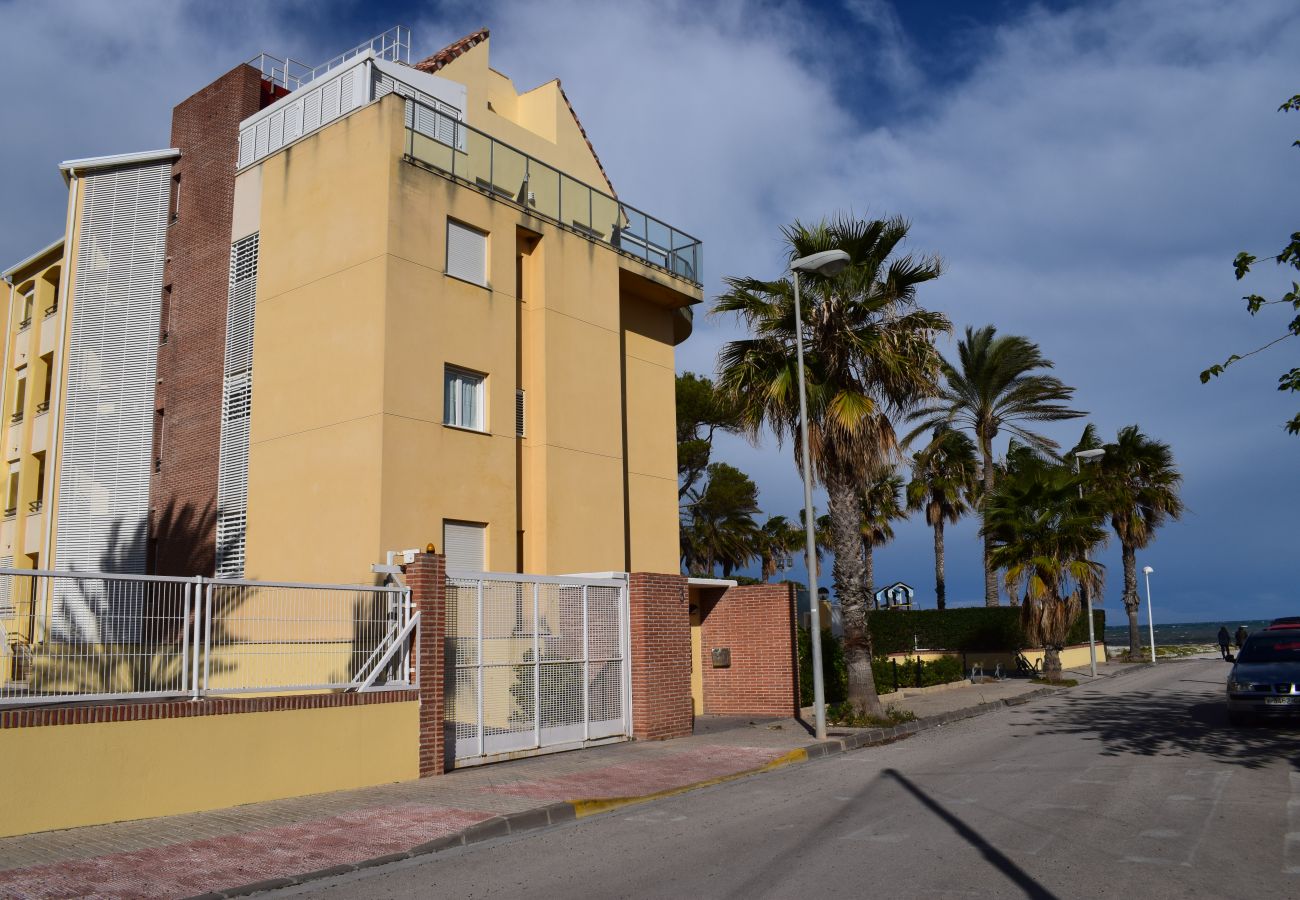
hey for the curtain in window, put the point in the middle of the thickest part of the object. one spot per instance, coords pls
(462, 399)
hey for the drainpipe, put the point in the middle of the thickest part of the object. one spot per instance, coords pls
(53, 453)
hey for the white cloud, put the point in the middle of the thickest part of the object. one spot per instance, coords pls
(1087, 181)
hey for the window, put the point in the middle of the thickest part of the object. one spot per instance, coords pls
(465, 544)
(463, 399)
(176, 197)
(520, 413)
(29, 304)
(466, 253)
(20, 396)
(11, 498)
(48, 373)
(35, 505)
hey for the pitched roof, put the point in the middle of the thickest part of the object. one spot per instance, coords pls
(434, 63)
(583, 131)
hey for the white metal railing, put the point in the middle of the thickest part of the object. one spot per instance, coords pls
(70, 636)
(393, 45)
(540, 662)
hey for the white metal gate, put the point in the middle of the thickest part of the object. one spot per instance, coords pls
(540, 664)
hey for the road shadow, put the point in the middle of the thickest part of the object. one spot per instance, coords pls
(995, 857)
(850, 813)
(1180, 721)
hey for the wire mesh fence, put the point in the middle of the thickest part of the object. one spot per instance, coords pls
(538, 662)
(67, 636)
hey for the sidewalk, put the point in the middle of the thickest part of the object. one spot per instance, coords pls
(264, 845)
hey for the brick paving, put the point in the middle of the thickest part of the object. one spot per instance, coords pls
(178, 856)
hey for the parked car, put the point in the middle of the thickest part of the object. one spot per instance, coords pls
(1265, 679)
(1284, 623)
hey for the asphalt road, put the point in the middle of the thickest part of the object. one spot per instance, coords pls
(1133, 787)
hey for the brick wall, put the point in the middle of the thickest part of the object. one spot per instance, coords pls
(756, 622)
(660, 620)
(427, 578)
(85, 714)
(183, 491)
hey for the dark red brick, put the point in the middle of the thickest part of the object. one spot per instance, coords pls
(183, 490)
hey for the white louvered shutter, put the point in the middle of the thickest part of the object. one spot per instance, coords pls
(236, 409)
(466, 253)
(465, 544)
(521, 417)
(6, 601)
(106, 449)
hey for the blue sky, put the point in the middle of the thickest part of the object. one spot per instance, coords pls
(1086, 171)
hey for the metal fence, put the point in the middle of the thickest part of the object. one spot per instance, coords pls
(67, 636)
(290, 74)
(448, 144)
(540, 663)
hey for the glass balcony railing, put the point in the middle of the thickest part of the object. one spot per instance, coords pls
(449, 145)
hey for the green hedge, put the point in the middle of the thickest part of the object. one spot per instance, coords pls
(975, 629)
(903, 673)
(979, 629)
(835, 674)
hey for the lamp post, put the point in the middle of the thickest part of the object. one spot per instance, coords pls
(1088, 456)
(1151, 628)
(828, 262)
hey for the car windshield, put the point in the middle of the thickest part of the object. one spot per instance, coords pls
(1271, 648)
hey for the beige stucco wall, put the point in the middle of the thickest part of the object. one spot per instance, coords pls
(78, 775)
(355, 323)
(538, 122)
(316, 434)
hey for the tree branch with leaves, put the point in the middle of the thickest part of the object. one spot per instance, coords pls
(1289, 382)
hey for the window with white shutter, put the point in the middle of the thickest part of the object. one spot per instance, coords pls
(465, 544)
(466, 253)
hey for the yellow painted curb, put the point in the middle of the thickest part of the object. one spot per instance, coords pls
(584, 808)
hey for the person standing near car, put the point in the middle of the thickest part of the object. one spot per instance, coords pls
(1224, 640)
(1240, 637)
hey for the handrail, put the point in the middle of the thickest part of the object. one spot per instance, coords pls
(393, 45)
(467, 153)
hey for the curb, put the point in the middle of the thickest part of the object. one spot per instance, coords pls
(571, 810)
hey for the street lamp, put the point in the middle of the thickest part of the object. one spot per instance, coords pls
(1151, 629)
(828, 262)
(1088, 456)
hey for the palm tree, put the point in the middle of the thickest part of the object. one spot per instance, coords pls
(779, 542)
(882, 505)
(719, 527)
(869, 359)
(995, 387)
(1039, 530)
(821, 538)
(945, 477)
(1139, 483)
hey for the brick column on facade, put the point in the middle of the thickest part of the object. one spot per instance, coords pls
(757, 624)
(660, 621)
(192, 333)
(427, 578)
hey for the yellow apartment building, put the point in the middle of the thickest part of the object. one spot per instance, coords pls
(31, 325)
(32, 343)
(440, 325)
(445, 327)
